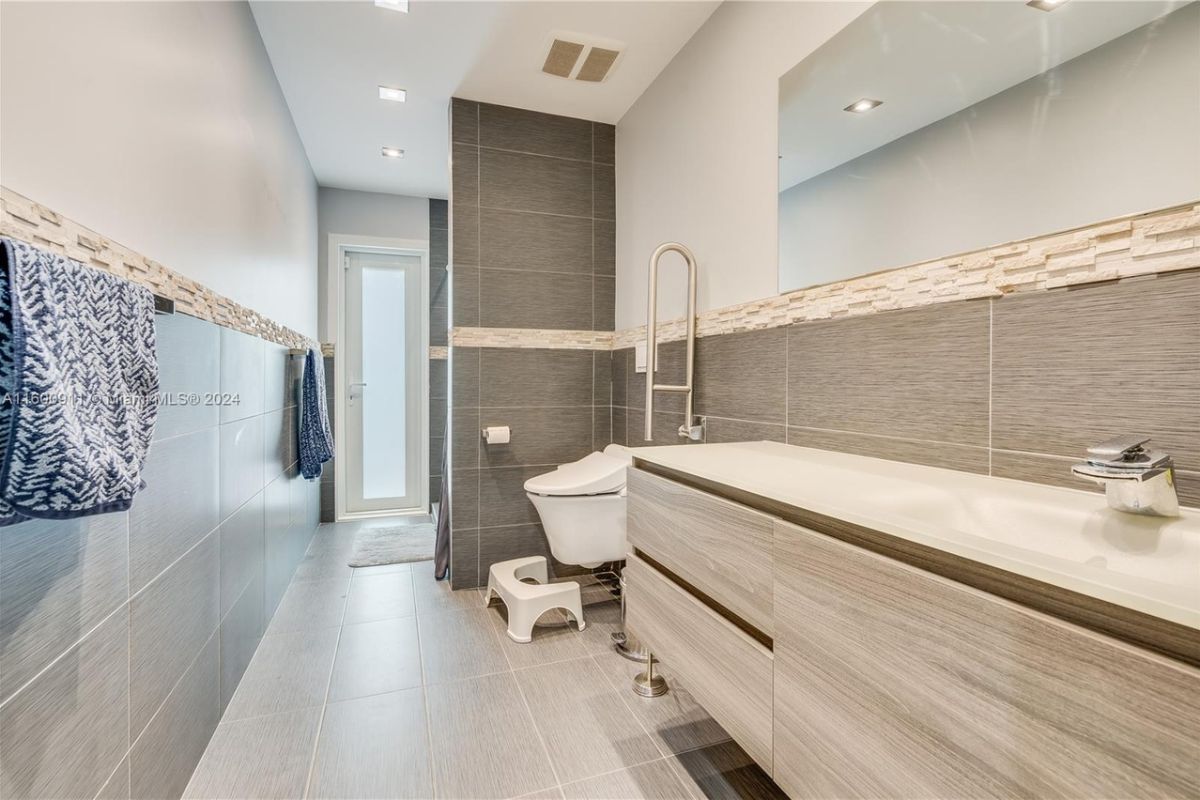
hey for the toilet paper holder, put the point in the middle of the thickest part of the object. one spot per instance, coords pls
(502, 434)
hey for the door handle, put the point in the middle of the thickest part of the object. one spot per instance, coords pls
(356, 390)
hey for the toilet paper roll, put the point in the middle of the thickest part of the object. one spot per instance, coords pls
(498, 434)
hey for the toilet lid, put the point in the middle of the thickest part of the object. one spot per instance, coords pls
(597, 473)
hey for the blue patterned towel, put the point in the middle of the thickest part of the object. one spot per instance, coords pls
(316, 442)
(78, 386)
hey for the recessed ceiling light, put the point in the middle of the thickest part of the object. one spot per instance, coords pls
(1045, 5)
(392, 152)
(866, 104)
(392, 93)
(393, 5)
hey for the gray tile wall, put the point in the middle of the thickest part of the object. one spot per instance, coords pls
(533, 219)
(1016, 387)
(122, 636)
(533, 246)
(557, 403)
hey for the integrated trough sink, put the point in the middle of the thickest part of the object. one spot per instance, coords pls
(1064, 537)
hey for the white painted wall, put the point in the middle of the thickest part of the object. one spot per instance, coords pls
(346, 212)
(161, 126)
(697, 155)
(1113, 132)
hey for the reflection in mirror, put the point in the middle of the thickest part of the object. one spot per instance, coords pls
(926, 129)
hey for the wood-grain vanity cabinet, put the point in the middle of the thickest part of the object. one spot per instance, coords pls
(729, 673)
(893, 682)
(846, 673)
(723, 548)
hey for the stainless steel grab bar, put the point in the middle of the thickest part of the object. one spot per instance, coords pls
(687, 428)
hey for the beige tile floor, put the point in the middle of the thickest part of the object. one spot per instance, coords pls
(382, 683)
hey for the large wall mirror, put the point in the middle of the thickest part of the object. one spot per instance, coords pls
(927, 129)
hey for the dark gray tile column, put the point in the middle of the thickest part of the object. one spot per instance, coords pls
(533, 247)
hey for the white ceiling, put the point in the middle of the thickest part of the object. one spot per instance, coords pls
(330, 57)
(925, 61)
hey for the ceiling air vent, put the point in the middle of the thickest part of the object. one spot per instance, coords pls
(580, 58)
(562, 57)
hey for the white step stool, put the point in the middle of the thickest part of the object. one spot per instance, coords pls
(528, 601)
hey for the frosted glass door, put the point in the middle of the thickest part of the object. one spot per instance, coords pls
(383, 426)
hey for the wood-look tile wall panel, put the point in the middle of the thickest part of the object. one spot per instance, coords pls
(602, 371)
(1071, 368)
(604, 246)
(604, 303)
(163, 759)
(464, 121)
(528, 255)
(512, 377)
(465, 287)
(541, 436)
(604, 193)
(502, 498)
(604, 143)
(464, 377)
(59, 579)
(719, 429)
(738, 376)
(967, 458)
(524, 182)
(919, 374)
(124, 628)
(464, 242)
(505, 128)
(521, 299)
(168, 624)
(64, 734)
(536, 242)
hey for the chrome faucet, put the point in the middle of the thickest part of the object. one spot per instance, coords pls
(1135, 480)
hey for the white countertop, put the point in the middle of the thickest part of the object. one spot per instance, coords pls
(1063, 537)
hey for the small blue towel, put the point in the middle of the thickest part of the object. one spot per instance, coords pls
(316, 442)
(78, 386)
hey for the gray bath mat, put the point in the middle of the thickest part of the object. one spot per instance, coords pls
(399, 544)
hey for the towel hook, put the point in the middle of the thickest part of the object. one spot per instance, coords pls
(163, 305)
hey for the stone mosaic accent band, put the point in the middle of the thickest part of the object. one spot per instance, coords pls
(22, 218)
(1140, 244)
(439, 353)
(529, 338)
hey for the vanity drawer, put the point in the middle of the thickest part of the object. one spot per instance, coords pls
(721, 548)
(894, 681)
(729, 673)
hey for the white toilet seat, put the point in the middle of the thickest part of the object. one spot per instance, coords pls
(595, 473)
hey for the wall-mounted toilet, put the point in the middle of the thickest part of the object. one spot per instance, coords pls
(582, 506)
